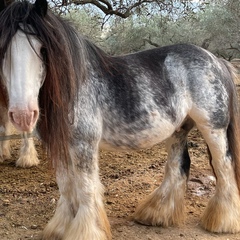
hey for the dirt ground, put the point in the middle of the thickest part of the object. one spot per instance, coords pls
(28, 197)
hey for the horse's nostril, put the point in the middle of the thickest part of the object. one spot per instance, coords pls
(11, 117)
(35, 115)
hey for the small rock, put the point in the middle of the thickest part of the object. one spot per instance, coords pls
(6, 202)
(24, 227)
(34, 226)
(53, 201)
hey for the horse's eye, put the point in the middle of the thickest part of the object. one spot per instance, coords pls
(43, 52)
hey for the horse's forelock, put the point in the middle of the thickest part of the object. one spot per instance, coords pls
(14, 17)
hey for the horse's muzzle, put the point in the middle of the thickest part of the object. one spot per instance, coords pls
(23, 120)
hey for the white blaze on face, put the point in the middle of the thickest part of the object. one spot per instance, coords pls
(24, 72)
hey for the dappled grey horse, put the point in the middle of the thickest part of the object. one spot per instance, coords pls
(80, 99)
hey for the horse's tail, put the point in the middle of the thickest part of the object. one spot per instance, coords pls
(233, 131)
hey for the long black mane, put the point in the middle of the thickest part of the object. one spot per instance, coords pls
(66, 54)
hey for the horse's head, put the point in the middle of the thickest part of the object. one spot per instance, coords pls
(24, 71)
(42, 66)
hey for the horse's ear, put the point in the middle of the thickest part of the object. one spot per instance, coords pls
(41, 7)
(2, 5)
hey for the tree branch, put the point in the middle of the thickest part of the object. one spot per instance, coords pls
(125, 8)
(150, 42)
(107, 8)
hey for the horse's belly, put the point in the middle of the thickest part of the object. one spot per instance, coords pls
(133, 137)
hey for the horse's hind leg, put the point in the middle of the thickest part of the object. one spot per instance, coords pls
(222, 213)
(165, 206)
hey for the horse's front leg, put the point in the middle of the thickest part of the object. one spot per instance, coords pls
(80, 213)
(90, 219)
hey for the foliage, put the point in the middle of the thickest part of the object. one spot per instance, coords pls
(126, 8)
(216, 27)
(220, 25)
(88, 24)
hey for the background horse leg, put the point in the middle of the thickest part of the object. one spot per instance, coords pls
(28, 154)
(5, 145)
(4, 128)
(222, 213)
(80, 213)
(165, 206)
